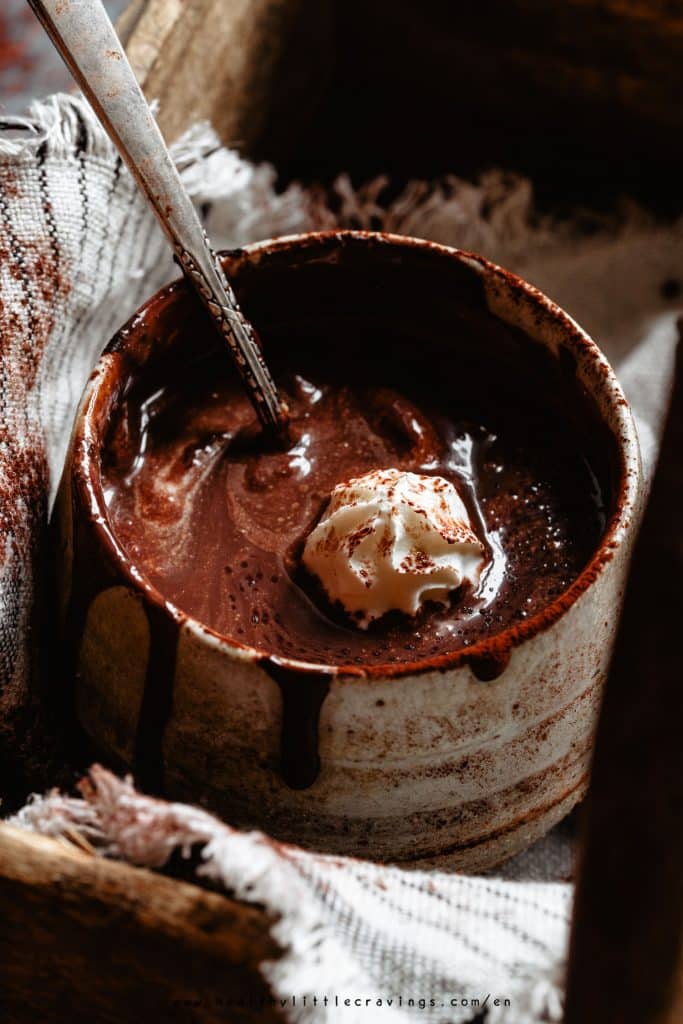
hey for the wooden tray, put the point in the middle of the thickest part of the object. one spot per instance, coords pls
(585, 95)
(91, 941)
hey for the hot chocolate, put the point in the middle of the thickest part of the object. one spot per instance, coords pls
(215, 648)
(218, 522)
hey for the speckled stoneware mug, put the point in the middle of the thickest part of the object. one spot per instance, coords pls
(461, 759)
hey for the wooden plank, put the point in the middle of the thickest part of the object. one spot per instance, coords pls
(85, 939)
(626, 964)
(247, 66)
(585, 96)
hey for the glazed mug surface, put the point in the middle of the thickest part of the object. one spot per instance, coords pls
(462, 759)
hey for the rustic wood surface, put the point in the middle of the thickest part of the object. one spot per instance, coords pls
(586, 96)
(245, 65)
(627, 947)
(86, 940)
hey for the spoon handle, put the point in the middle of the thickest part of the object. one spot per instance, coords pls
(85, 38)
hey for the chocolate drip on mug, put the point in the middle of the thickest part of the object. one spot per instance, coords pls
(157, 698)
(303, 694)
(89, 577)
(487, 667)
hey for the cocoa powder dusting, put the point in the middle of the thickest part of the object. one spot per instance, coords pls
(33, 288)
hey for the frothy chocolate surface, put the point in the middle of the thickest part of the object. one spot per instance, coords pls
(217, 522)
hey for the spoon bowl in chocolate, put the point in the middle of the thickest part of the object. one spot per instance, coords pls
(204, 657)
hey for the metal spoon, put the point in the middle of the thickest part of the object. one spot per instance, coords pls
(85, 38)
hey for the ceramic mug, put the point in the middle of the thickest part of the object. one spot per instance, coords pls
(462, 759)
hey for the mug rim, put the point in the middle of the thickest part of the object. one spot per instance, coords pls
(84, 467)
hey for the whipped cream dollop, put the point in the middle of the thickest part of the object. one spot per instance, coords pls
(390, 541)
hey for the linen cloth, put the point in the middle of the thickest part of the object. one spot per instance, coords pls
(79, 252)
